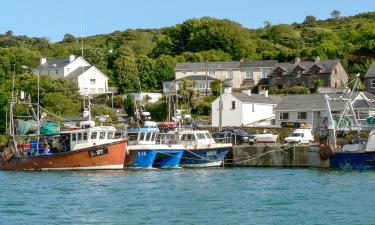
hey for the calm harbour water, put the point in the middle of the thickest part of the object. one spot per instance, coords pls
(188, 196)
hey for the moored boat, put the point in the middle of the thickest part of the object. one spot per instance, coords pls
(88, 148)
(201, 150)
(145, 152)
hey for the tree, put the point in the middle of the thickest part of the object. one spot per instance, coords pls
(69, 38)
(188, 94)
(335, 14)
(310, 20)
(60, 105)
(317, 84)
(147, 72)
(215, 87)
(159, 111)
(126, 74)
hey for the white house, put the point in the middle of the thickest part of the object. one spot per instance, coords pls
(90, 80)
(243, 109)
(149, 96)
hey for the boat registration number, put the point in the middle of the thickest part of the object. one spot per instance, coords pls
(97, 152)
(211, 153)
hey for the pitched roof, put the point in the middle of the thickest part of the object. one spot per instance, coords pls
(225, 65)
(371, 71)
(54, 63)
(317, 102)
(254, 98)
(196, 77)
(327, 66)
(75, 73)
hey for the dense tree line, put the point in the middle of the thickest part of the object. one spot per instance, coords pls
(144, 58)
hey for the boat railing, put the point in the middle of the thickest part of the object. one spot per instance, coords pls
(224, 137)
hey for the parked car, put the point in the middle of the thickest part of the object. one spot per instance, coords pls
(241, 136)
(300, 136)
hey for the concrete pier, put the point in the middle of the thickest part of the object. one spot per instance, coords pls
(277, 156)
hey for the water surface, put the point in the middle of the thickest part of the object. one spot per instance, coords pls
(188, 196)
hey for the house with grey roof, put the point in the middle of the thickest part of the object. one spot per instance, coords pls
(370, 79)
(89, 79)
(238, 74)
(311, 109)
(287, 75)
(244, 108)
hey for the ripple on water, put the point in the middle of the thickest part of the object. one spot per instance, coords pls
(188, 196)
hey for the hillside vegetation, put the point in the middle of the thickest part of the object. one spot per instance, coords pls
(151, 54)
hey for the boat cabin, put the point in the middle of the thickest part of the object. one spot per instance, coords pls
(145, 135)
(83, 138)
(194, 137)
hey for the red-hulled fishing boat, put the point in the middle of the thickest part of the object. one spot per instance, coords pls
(89, 148)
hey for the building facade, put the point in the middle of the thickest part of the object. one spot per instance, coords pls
(238, 74)
(370, 79)
(310, 108)
(287, 75)
(90, 80)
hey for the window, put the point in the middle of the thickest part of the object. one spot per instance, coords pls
(84, 136)
(57, 71)
(335, 112)
(67, 69)
(284, 116)
(148, 135)
(201, 136)
(195, 72)
(335, 71)
(373, 83)
(110, 135)
(102, 135)
(266, 72)
(183, 72)
(92, 81)
(79, 137)
(233, 105)
(94, 135)
(302, 115)
(249, 74)
(229, 73)
(74, 137)
(142, 136)
(132, 136)
(211, 72)
(202, 85)
(187, 137)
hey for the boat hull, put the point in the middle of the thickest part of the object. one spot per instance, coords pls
(353, 160)
(205, 157)
(153, 158)
(106, 156)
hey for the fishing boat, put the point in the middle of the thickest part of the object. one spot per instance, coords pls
(201, 150)
(355, 154)
(145, 152)
(84, 147)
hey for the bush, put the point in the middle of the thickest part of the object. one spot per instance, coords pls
(299, 90)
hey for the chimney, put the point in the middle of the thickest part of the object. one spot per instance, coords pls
(317, 59)
(43, 61)
(266, 93)
(227, 90)
(297, 60)
(247, 92)
(71, 58)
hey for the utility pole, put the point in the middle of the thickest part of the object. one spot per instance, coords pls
(206, 77)
(221, 106)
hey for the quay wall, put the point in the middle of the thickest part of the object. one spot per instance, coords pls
(276, 155)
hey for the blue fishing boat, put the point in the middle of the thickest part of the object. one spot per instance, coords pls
(145, 152)
(201, 150)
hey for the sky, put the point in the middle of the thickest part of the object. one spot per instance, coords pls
(53, 19)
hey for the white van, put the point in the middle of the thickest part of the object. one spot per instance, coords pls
(303, 136)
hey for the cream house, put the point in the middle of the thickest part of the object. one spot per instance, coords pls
(90, 80)
(239, 74)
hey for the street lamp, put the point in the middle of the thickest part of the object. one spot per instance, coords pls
(38, 107)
